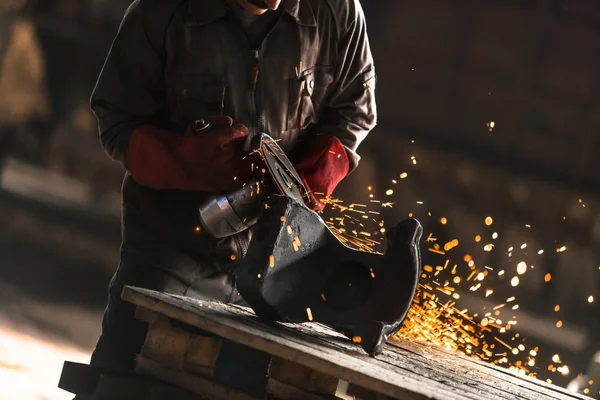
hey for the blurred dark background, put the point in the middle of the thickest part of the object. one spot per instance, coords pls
(498, 102)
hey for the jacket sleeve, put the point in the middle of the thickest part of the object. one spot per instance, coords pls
(130, 90)
(350, 111)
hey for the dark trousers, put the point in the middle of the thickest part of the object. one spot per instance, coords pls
(122, 335)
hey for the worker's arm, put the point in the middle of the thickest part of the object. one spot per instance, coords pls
(129, 99)
(130, 91)
(349, 112)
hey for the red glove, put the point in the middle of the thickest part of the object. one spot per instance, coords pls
(322, 164)
(212, 160)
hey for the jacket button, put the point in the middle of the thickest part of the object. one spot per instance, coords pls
(312, 84)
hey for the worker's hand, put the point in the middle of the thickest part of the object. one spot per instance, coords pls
(322, 163)
(208, 157)
(214, 148)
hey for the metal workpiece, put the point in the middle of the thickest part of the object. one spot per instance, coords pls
(297, 270)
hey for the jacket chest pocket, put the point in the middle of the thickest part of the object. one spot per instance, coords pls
(198, 96)
(307, 92)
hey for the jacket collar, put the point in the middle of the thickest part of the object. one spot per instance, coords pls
(202, 12)
(300, 10)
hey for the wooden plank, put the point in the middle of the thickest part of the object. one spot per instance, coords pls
(171, 344)
(360, 393)
(165, 344)
(97, 383)
(426, 372)
(405, 367)
(486, 373)
(433, 372)
(178, 348)
(453, 369)
(302, 377)
(79, 378)
(202, 354)
(148, 316)
(242, 326)
(342, 391)
(458, 370)
(194, 383)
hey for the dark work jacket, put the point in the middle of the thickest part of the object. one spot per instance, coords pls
(174, 61)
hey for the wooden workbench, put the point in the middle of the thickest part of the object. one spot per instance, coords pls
(223, 352)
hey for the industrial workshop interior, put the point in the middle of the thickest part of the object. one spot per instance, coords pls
(299, 199)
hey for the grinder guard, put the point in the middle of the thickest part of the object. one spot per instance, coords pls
(365, 295)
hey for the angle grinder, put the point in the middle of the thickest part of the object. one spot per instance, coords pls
(230, 213)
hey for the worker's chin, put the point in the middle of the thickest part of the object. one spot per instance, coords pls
(256, 7)
(260, 6)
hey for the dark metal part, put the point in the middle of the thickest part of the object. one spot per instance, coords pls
(364, 295)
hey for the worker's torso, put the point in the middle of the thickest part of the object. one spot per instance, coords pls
(211, 63)
(209, 69)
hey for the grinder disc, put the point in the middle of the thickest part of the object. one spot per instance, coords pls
(281, 169)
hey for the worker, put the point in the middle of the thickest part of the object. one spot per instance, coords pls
(185, 86)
